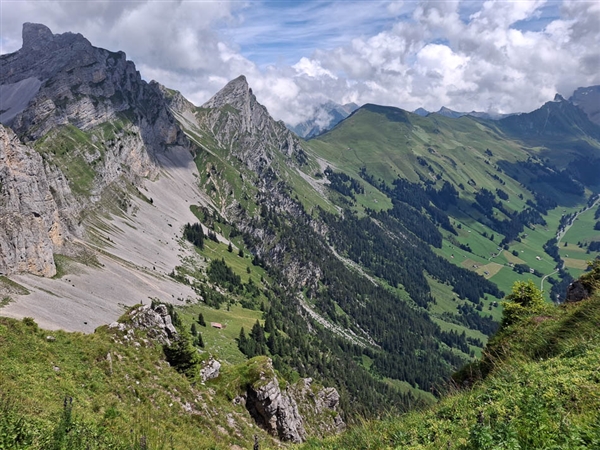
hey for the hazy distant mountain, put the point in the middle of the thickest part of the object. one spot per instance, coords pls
(558, 118)
(447, 112)
(327, 116)
(421, 112)
(588, 99)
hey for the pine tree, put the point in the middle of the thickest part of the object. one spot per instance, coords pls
(258, 340)
(243, 342)
(201, 321)
(193, 330)
(199, 341)
(269, 324)
(182, 355)
(230, 248)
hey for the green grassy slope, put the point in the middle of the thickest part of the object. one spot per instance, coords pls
(542, 391)
(471, 154)
(115, 390)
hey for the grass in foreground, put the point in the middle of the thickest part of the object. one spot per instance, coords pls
(541, 390)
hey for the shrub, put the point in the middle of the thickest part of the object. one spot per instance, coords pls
(524, 300)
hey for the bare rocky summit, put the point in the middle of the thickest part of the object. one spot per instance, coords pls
(243, 126)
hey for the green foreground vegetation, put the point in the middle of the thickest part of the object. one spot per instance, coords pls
(537, 386)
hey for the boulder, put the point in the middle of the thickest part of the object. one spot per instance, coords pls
(210, 369)
(156, 321)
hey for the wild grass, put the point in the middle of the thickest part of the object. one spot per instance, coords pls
(134, 400)
(542, 391)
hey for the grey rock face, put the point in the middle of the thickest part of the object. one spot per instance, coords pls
(31, 229)
(210, 369)
(16, 96)
(157, 323)
(84, 86)
(273, 410)
(244, 126)
(320, 405)
(295, 412)
(59, 80)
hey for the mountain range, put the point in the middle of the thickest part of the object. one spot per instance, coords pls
(371, 259)
(326, 116)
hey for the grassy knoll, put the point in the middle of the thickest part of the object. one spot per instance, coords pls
(130, 400)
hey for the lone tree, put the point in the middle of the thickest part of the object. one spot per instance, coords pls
(524, 300)
(182, 355)
(201, 321)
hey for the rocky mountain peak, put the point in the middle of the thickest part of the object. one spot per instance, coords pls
(43, 54)
(240, 123)
(236, 93)
(35, 34)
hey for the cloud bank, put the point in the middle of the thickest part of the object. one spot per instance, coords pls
(493, 56)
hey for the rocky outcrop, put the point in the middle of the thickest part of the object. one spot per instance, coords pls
(210, 369)
(274, 410)
(156, 321)
(31, 227)
(293, 413)
(319, 407)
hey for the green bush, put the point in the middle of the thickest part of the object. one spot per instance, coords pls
(524, 300)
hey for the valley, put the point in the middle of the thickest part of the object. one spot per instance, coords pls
(372, 259)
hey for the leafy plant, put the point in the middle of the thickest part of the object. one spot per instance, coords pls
(524, 300)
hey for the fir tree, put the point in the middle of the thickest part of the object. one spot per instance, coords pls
(242, 341)
(201, 321)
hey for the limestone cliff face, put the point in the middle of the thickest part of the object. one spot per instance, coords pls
(31, 227)
(92, 121)
(81, 85)
(293, 413)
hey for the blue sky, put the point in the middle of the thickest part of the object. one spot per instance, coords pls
(495, 55)
(275, 32)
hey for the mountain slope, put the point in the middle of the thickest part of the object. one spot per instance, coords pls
(371, 258)
(497, 189)
(588, 99)
(542, 391)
